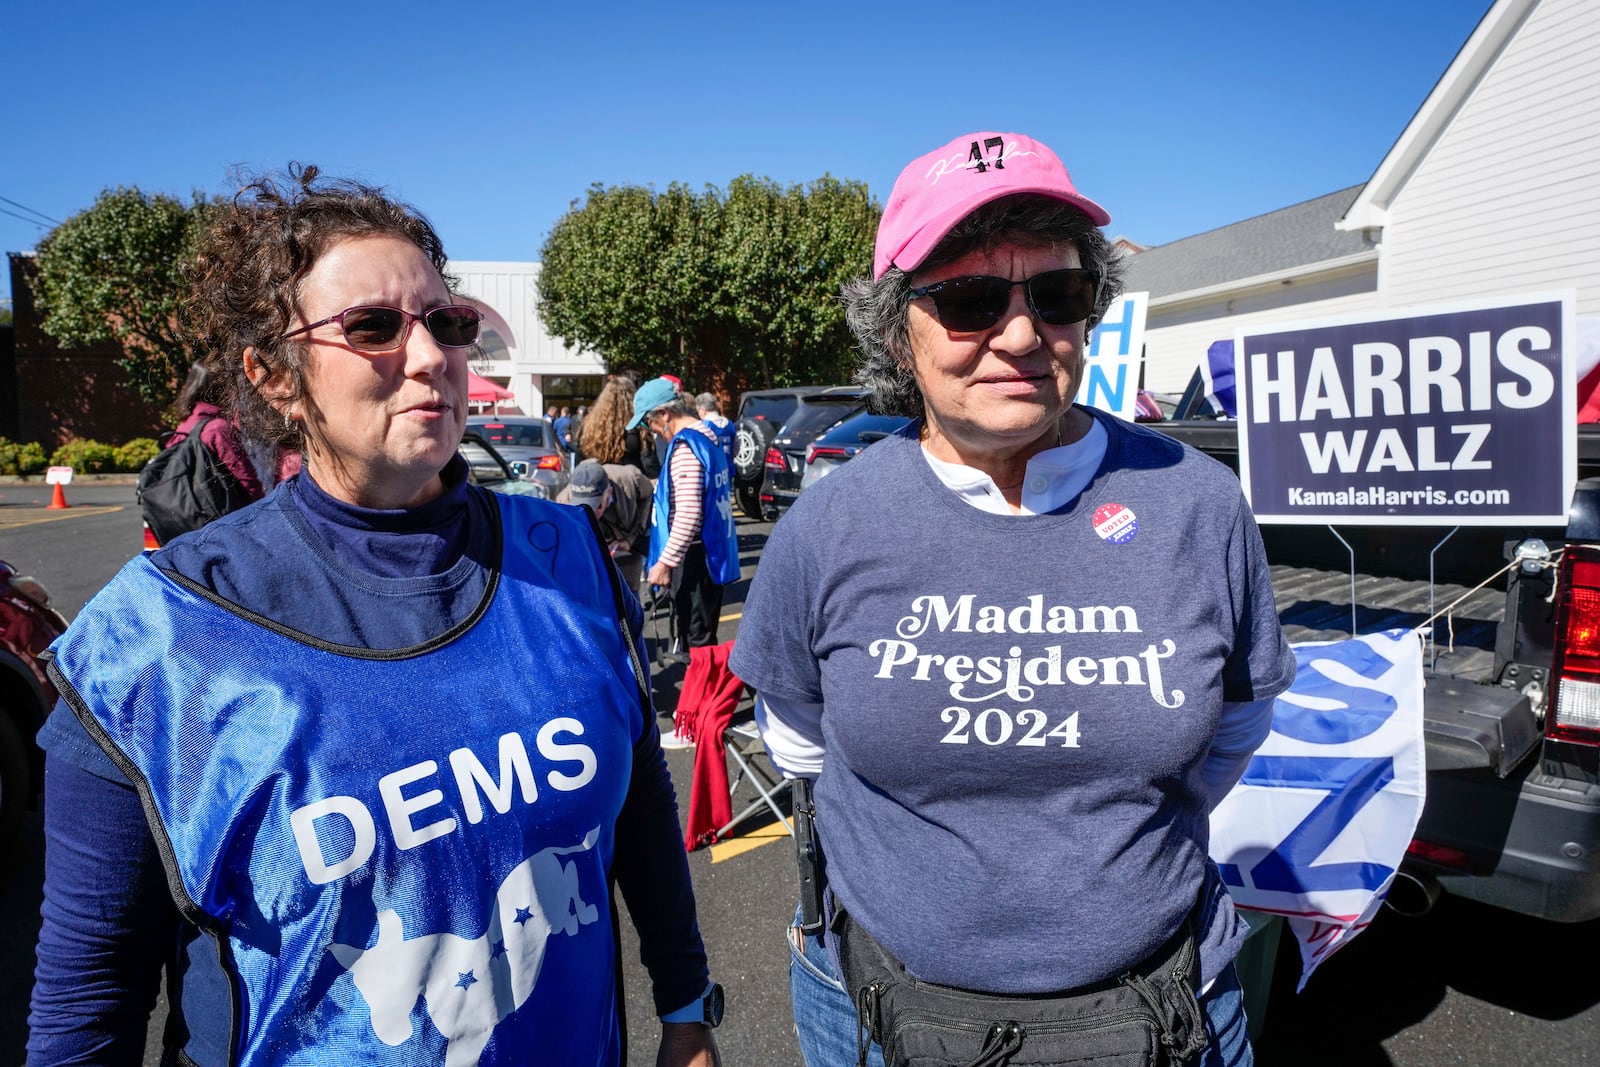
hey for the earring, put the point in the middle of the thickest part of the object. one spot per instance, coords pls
(288, 423)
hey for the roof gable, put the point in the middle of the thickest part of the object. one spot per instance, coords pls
(1300, 236)
(1488, 40)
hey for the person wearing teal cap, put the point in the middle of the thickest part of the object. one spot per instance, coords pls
(693, 547)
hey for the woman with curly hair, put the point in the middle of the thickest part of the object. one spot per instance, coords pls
(290, 763)
(605, 435)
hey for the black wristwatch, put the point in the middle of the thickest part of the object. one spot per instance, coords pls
(711, 1005)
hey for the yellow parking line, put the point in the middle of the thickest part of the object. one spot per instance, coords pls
(730, 618)
(34, 517)
(738, 846)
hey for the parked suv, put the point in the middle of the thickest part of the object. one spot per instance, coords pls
(27, 626)
(762, 413)
(785, 460)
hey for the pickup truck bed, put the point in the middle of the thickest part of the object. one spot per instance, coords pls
(1471, 724)
(1314, 605)
(1512, 818)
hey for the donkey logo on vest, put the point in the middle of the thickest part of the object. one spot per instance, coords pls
(470, 986)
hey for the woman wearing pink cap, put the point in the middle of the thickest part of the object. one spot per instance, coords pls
(1021, 695)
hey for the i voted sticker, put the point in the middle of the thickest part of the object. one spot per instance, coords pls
(1115, 523)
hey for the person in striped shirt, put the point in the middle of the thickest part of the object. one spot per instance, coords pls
(693, 548)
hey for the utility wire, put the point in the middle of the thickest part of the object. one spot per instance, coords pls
(31, 211)
(24, 218)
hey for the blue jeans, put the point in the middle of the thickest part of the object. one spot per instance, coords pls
(825, 1018)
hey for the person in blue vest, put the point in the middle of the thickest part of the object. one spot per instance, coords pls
(358, 764)
(711, 414)
(693, 547)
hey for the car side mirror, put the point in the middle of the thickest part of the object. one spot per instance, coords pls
(519, 468)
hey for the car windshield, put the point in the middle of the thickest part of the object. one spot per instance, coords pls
(774, 409)
(817, 413)
(511, 433)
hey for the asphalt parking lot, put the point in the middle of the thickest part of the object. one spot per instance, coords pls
(1465, 985)
(745, 888)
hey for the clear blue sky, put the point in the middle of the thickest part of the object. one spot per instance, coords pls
(492, 118)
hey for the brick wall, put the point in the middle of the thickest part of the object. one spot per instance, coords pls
(59, 394)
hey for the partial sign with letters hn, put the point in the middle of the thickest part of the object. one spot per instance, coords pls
(1462, 415)
(1111, 365)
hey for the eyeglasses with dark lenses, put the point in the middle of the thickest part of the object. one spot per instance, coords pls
(376, 329)
(975, 303)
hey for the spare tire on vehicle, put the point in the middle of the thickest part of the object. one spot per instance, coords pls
(750, 443)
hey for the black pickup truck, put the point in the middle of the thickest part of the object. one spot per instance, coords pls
(1512, 703)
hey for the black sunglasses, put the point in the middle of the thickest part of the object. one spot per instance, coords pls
(375, 329)
(976, 303)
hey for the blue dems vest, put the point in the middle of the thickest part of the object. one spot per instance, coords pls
(725, 433)
(716, 527)
(403, 856)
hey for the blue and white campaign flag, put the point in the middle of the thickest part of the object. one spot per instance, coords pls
(1318, 825)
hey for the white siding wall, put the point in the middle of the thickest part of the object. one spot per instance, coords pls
(1176, 338)
(512, 289)
(1508, 199)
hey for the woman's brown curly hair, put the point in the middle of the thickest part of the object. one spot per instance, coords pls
(244, 283)
(603, 428)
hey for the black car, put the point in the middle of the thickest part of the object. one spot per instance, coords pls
(785, 460)
(762, 413)
(845, 441)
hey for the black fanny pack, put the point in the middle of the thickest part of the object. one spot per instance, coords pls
(1147, 1017)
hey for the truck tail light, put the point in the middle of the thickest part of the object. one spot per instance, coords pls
(549, 463)
(1574, 704)
(774, 460)
(1439, 855)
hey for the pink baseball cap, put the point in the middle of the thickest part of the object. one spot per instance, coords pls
(938, 190)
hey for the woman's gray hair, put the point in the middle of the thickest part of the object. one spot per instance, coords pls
(680, 404)
(878, 311)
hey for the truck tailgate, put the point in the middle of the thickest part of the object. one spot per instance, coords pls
(1469, 725)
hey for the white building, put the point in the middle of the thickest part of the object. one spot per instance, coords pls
(1493, 189)
(517, 352)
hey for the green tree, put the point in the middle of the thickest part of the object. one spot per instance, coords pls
(113, 272)
(730, 290)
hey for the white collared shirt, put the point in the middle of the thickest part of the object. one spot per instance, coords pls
(1053, 478)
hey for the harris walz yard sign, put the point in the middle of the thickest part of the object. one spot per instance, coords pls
(1459, 415)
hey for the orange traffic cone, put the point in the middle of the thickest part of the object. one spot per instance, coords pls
(59, 500)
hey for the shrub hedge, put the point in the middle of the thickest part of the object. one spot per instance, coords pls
(16, 458)
(136, 453)
(83, 456)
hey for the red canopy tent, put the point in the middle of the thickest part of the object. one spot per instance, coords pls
(481, 390)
